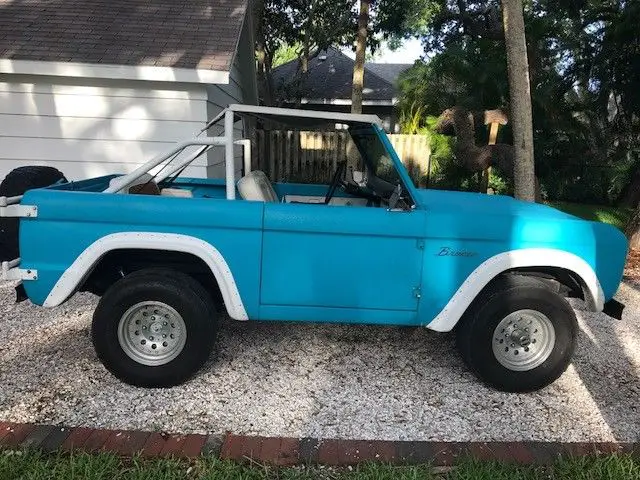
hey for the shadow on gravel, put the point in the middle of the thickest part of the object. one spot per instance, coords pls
(342, 381)
(34, 382)
(66, 345)
(614, 390)
(632, 283)
(278, 341)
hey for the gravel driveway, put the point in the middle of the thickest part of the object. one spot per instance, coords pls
(322, 381)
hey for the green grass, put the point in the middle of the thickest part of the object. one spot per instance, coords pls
(32, 465)
(616, 216)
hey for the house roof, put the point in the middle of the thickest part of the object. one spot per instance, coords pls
(188, 34)
(387, 71)
(330, 79)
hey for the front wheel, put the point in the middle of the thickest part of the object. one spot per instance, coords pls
(154, 328)
(518, 336)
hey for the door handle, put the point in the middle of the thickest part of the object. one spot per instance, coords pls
(403, 210)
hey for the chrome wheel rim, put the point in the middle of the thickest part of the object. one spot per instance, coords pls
(523, 340)
(152, 333)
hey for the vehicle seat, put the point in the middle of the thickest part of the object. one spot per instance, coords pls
(256, 186)
(176, 192)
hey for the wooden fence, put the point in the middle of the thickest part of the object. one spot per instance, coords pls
(312, 156)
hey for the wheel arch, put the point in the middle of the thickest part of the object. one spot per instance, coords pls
(563, 281)
(85, 264)
(555, 265)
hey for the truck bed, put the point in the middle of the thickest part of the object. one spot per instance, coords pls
(71, 217)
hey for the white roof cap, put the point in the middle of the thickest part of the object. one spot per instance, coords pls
(303, 117)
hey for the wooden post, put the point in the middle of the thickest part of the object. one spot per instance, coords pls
(493, 133)
(272, 154)
(280, 157)
(493, 118)
(261, 155)
(287, 150)
(297, 157)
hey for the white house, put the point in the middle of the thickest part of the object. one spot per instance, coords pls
(94, 87)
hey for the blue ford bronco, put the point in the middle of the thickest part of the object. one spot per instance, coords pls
(170, 255)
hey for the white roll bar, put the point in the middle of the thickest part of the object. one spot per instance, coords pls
(270, 113)
(183, 163)
(228, 155)
(126, 180)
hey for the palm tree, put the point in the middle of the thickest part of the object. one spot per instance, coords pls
(520, 94)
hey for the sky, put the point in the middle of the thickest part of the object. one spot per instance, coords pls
(410, 51)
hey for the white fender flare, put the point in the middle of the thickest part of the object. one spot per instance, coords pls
(527, 257)
(87, 260)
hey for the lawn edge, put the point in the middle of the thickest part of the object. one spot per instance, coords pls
(283, 451)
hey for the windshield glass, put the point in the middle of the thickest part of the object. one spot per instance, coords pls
(382, 176)
(376, 155)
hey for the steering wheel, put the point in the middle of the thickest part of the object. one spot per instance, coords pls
(335, 181)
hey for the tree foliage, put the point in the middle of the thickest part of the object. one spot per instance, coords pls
(285, 53)
(584, 62)
(300, 29)
(311, 25)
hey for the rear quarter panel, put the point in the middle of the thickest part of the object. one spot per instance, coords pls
(70, 221)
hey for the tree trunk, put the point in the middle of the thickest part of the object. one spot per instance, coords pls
(304, 58)
(265, 80)
(306, 43)
(520, 95)
(633, 229)
(358, 66)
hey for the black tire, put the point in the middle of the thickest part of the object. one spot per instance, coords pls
(175, 289)
(508, 294)
(16, 183)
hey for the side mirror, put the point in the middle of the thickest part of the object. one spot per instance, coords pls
(358, 178)
(395, 198)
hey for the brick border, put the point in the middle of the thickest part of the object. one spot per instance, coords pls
(291, 451)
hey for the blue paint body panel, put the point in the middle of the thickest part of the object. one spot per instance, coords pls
(51, 242)
(341, 257)
(316, 262)
(489, 225)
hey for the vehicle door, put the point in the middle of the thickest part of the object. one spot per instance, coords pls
(342, 257)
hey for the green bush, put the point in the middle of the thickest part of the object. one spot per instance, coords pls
(500, 184)
(580, 185)
(444, 172)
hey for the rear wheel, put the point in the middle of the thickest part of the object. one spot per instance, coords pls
(518, 335)
(16, 183)
(154, 328)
